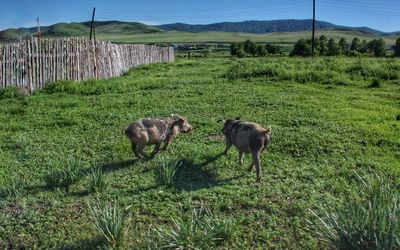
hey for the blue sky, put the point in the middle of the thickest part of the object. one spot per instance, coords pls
(382, 15)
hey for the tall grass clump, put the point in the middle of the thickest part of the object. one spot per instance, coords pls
(62, 177)
(97, 181)
(109, 220)
(15, 189)
(89, 87)
(372, 224)
(166, 172)
(198, 230)
(11, 92)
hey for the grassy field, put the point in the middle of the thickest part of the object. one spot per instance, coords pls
(327, 122)
(204, 37)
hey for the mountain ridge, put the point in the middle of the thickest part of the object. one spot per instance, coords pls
(262, 27)
(115, 27)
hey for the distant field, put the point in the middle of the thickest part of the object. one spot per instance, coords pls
(326, 123)
(224, 37)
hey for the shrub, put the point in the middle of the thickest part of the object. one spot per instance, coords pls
(167, 170)
(97, 180)
(373, 224)
(62, 177)
(109, 220)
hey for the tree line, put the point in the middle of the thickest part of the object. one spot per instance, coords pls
(242, 49)
(325, 47)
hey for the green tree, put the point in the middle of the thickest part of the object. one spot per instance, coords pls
(396, 48)
(344, 46)
(333, 48)
(272, 49)
(261, 51)
(365, 46)
(322, 45)
(250, 47)
(301, 48)
(355, 44)
(235, 48)
(379, 48)
(241, 53)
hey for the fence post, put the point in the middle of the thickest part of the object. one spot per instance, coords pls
(34, 62)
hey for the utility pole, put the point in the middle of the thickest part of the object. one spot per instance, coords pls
(313, 31)
(38, 27)
(92, 28)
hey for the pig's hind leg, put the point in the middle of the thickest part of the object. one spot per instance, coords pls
(156, 149)
(227, 147)
(241, 156)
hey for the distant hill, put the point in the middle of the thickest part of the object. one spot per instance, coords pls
(80, 29)
(261, 27)
(114, 29)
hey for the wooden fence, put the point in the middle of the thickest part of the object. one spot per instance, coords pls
(33, 63)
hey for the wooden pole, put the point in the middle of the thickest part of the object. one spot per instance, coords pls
(313, 31)
(38, 27)
(92, 25)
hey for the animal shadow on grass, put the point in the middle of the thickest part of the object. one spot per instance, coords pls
(114, 166)
(107, 167)
(193, 176)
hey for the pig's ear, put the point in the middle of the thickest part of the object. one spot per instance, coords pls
(269, 130)
(237, 118)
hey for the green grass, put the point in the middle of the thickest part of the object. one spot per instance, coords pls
(199, 229)
(324, 126)
(109, 220)
(282, 38)
(97, 180)
(373, 224)
(62, 177)
(166, 172)
(14, 189)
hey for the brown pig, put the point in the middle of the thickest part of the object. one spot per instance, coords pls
(149, 131)
(248, 137)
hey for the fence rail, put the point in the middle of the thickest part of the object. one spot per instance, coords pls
(33, 63)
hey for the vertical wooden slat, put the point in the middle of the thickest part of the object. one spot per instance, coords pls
(33, 63)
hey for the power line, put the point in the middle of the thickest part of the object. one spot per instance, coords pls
(227, 13)
(219, 9)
